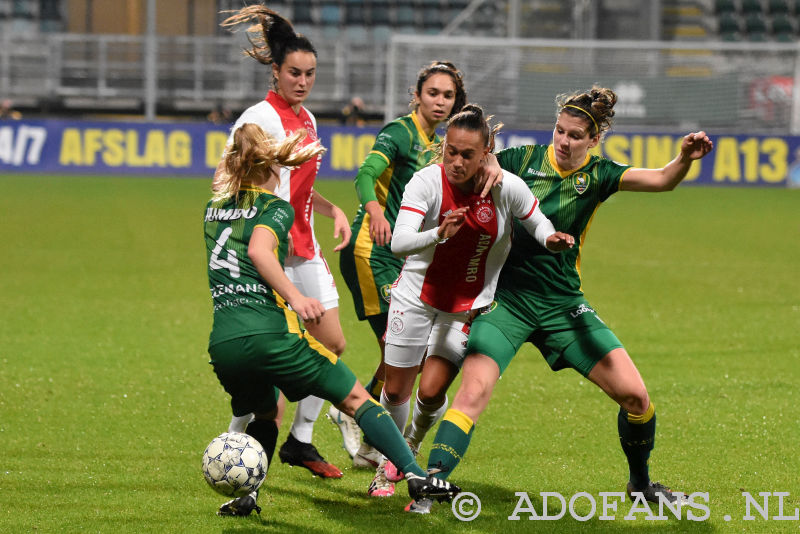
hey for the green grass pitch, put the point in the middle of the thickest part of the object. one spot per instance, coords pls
(107, 400)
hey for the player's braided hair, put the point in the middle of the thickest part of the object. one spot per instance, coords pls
(249, 159)
(272, 37)
(441, 67)
(595, 106)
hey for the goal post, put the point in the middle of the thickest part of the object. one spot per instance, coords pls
(661, 84)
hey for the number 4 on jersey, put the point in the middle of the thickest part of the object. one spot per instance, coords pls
(231, 263)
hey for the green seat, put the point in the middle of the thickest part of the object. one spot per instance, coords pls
(729, 23)
(755, 23)
(724, 6)
(752, 6)
(778, 6)
(782, 23)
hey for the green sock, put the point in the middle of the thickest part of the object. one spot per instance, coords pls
(381, 432)
(374, 388)
(637, 435)
(450, 443)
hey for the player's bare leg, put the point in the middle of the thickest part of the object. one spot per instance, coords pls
(298, 449)
(617, 375)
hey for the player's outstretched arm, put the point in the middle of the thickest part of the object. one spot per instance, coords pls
(693, 147)
(261, 252)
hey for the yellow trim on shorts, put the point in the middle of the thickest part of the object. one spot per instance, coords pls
(460, 419)
(292, 319)
(319, 347)
(645, 417)
(362, 251)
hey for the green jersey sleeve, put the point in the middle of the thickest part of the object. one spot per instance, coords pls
(368, 174)
(609, 174)
(277, 215)
(392, 141)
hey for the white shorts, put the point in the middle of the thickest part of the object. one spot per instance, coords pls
(413, 327)
(313, 278)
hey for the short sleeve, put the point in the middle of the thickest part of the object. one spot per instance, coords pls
(610, 174)
(278, 216)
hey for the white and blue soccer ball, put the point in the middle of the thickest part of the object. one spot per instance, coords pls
(234, 464)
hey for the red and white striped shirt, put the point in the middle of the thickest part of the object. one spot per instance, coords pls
(461, 273)
(276, 117)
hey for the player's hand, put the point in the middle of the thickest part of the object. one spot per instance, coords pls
(559, 241)
(696, 145)
(341, 228)
(379, 229)
(489, 175)
(309, 309)
(452, 223)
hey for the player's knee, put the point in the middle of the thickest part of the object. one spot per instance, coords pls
(472, 398)
(431, 398)
(269, 415)
(337, 346)
(636, 402)
(396, 396)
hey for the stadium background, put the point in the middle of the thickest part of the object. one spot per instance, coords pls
(105, 394)
(136, 91)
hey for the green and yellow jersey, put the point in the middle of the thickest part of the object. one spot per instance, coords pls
(569, 199)
(369, 270)
(243, 302)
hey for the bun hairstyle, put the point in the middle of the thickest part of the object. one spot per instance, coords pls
(249, 159)
(272, 37)
(596, 106)
(441, 67)
(471, 118)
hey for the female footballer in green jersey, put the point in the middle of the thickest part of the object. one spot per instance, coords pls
(401, 149)
(256, 345)
(539, 297)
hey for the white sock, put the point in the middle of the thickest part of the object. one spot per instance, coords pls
(399, 412)
(424, 418)
(307, 412)
(239, 424)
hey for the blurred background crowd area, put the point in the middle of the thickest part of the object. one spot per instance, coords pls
(94, 58)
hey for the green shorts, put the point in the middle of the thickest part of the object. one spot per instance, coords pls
(253, 368)
(568, 332)
(369, 272)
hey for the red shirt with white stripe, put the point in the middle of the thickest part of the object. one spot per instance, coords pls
(276, 117)
(461, 273)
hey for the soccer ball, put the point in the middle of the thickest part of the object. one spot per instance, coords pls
(234, 464)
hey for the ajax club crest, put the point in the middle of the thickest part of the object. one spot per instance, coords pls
(580, 180)
(484, 210)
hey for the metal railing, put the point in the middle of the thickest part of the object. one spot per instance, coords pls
(674, 85)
